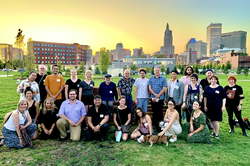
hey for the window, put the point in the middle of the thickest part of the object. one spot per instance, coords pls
(34, 44)
(38, 45)
(63, 46)
(42, 45)
(38, 49)
(46, 45)
(42, 49)
(39, 61)
(35, 53)
(51, 45)
(35, 48)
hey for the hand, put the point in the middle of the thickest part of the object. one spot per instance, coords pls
(21, 142)
(179, 104)
(46, 131)
(191, 129)
(97, 128)
(223, 108)
(20, 87)
(119, 128)
(116, 101)
(53, 97)
(21, 127)
(161, 133)
(157, 96)
(72, 123)
(205, 108)
(239, 107)
(183, 106)
(50, 131)
(190, 135)
(136, 101)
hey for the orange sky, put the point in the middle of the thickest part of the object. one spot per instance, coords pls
(135, 23)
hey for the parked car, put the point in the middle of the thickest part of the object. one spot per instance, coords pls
(7, 69)
(21, 69)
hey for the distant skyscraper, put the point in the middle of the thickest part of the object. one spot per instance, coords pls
(168, 47)
(138, 51)
(213, 37)
(199, 46)
(236, 39)
(119, 47)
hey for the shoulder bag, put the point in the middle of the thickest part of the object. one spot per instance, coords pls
(125, 128)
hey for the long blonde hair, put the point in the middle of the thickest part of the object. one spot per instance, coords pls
(21, 102)
(53, 106)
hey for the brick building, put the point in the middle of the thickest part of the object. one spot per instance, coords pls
(236, 60)
(6, 52)
(50, 52)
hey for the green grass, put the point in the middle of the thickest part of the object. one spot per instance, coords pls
(230, 149)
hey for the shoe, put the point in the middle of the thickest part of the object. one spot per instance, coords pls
(212, 134)
(231, 131)
(217, 136)
(173, 139)
(62, 139)
(1, 144)
(245, 134)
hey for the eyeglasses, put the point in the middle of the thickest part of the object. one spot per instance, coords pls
(170, 104)
(138, 112)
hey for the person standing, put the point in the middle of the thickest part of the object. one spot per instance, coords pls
(125, 86)
(29, 82)
(72, 83)
(72, 113)
(54, 85)
(141, 91)
(98, 117)
(234, 102)
(206, 81)
(214, 104)
(107, 90)
(175, 91)
(40, 79)
(86, 93)
(157, 87)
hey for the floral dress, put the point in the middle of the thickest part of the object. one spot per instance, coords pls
(202, 136)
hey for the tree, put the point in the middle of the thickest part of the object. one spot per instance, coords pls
(124, 67)
(214, 65)
(196, 69)
(30, 60)
(19, 43)
(211, 65)
(16, 63)
(182, 70)
(179, 65)
(1, 64)
(104, 60)
(223, 66)
(228, 65)
(162, 68)
(207, 65)
(153, 72)
(59, 63)
(90, 68)
(225, 70)
(133, 67)
(167, 71)
(219, 66)
(49, 69)
(148, 69)
(160, 56)
(203, 70)
(246, 71)
(81, 69)
(175, 68)
(238, 70)
(97, 71)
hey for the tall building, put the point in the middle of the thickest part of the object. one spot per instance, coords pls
(120, 52)
(6, 52)
(213, 37)
(89, 57)
(137, 52)
(50, 52)
(199, 46)
(119, 47)
(168, 47)
(17, 53)
(187, 57)
(236, 39)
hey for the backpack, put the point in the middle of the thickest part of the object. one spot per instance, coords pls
(7, 116)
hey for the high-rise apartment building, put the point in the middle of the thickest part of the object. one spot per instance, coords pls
(236, 39)
(168, 47)
(137, 52)
(50, 52)
(213, 37)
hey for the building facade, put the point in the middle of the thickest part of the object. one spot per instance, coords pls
(213, 37)
(138, 52)
(236, 60)
(50, 52)
(168, 47)
(6, 52)
(236, 39)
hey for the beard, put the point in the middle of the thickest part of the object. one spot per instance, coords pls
(189, 74)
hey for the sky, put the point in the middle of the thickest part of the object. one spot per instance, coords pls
(135, 23)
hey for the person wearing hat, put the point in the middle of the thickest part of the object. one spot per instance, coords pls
(108, 92)
(98, 116)
(72, 112)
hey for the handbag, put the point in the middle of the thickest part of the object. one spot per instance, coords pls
(27, 142)
(125, 128)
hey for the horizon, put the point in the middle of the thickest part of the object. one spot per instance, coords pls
(133, 23)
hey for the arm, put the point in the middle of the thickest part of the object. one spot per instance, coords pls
(114, 118)
(66, 91)
(184, 96)
(119, 92)
(149, 124)
(169, 124)
(166, 117)
(90, 122)
(52, 128)
(115, 93)
(136, 101)
(191, 125)
(201, 93)
(241, 100)
(44, 129)
(15, 116)
(60, 90)
(138, 127)
(66, 118)
(205, 104)
(181, 92)
(48, 91)
(223, 104)
(196, 131)
(129, 119)
(80, 94)
(161, 92)
(37, 111)
(20, 87)
(100, 90)
(105, 120)
(80, 121)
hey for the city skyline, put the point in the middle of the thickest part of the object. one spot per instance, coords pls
(134, 23)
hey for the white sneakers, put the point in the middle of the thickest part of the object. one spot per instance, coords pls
(173, 139)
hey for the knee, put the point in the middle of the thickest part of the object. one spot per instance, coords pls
(124, 138)
(75, 139)
(59, 122)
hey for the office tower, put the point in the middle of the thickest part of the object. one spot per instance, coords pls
(236, 39)
(199, 46)
(137, 52)
(213, 37)
(168, 47)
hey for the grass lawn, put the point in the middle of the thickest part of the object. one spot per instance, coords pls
(230, 149)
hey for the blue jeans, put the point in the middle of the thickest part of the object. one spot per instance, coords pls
(143, 103)
(129, 101)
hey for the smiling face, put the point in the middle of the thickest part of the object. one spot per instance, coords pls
(126, 74)
(174, 75)
(213, 81)
(170, 105)
(55, 70)
(107, 80)
(142, 74)
(193, 80)
(196, 105)
(139, 113)
(73, 73)
(72, 95)
(88, 75)
(48, 104)
(209, 74)
(231, 81)
(32, 77)
(41, 69)
(157, 71)
(189, 71)
(97, 102)
(28, 95)
(122, 102)
(22, 105)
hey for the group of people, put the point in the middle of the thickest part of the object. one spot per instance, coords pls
(199, 99)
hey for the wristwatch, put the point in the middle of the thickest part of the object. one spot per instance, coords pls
(100, 125)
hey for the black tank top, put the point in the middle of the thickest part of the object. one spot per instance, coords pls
(32, 110)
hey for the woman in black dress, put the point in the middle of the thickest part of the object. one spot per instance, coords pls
(234, 103)
(47, 120)
(125, 116)
(72, 83)
(214, 104)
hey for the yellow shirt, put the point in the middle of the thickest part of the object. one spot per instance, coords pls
(54, 84)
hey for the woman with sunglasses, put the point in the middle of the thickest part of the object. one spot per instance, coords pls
(171, 125)
(197, 130)
(144, 124)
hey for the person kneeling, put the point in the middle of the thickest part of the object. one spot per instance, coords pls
(197, 130)
(98, 116)
(71, 113)
(171, 125)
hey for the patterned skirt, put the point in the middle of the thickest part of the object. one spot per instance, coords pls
(11, 139)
